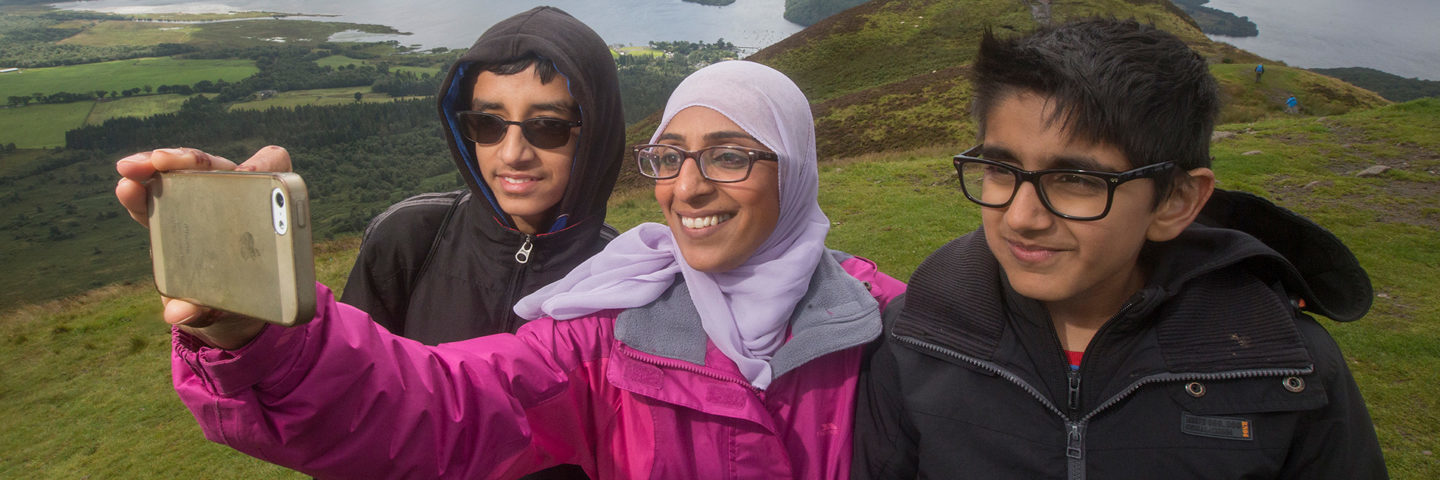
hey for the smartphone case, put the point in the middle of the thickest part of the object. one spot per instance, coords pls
(234, 241)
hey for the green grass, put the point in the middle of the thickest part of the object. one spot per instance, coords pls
(106, 33)
(18, 162)
(325, 96)
(140, 106)
(87, 389)
(122, 75)
(337, 61)
(635, 50)
(41, 126)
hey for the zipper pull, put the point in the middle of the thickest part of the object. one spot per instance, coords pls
(1074, 445)
(523, 255)
(1074, 397)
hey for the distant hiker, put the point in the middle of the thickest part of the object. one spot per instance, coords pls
(1292, 106)
(1093, 327)
(1259, 70)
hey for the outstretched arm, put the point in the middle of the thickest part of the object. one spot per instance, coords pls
(340, 397)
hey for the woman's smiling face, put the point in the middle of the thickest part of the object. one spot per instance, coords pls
(717, 226)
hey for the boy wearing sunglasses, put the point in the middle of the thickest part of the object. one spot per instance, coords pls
(532, 116)
(1092, 327)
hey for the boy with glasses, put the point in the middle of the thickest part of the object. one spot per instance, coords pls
(1091, 327)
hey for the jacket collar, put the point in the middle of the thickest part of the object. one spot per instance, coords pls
(562, 248)
(836, 313)
(1213, 303)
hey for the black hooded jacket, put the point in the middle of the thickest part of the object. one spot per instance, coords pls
(449, 266)
(1209, 371)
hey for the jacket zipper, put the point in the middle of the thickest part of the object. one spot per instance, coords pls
(522, 258)
(1075, 429)
(692, 368)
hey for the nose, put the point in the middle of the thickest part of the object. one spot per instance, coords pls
(513, 148)
(1026, 212)
(690, 185)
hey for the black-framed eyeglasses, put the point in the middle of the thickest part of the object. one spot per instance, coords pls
(1068, 193)
(722, 164)
(488, 129)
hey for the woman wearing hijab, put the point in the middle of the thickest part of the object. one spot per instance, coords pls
(725, 343)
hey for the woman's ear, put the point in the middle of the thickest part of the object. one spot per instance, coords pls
(1183, 204)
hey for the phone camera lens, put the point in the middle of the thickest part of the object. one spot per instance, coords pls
(279, 200)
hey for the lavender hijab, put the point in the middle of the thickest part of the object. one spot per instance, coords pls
(746, 310)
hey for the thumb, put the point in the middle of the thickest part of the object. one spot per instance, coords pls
(269, 159)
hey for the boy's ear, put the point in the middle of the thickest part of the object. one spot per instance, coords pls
(1182, 206)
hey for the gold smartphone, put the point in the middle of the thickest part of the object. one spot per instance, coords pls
(234, 241)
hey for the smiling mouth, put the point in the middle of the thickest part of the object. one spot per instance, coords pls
(516, 181)
(1031, 253)
(703, 222)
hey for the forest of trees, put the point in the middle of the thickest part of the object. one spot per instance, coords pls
(356, 158)
(1217, 22)
(646, 81)
(31, 42)
(1393, 87)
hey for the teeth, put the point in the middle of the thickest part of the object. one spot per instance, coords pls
(513, 180)
(702, 222)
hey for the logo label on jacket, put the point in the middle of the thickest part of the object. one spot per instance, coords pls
(1228, 428)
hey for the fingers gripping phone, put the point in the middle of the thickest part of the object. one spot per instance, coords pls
(234, 241)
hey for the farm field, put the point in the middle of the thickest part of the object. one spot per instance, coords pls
(130, 33)
(41, 126)
(122, 75)
(139, 106)
(337, 61)
(323, 96)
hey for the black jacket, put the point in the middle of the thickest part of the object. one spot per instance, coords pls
(447, 267)
(1208, 372)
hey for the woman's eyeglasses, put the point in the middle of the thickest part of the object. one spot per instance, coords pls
(488, 129)
(721, 164)
(1067, 193)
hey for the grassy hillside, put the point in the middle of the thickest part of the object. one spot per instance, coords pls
(893, 208)
(891, 75)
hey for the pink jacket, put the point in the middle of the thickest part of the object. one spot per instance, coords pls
(639, 393)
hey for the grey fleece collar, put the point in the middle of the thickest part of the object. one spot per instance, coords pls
(836, 313)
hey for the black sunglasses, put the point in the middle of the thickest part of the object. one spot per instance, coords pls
(488, 129)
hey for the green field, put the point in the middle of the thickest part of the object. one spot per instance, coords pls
(122, 75)
(635, 50)
(893, 208)
(337, 61)
(140, 106)
(41, 126)
(324, 96)
(130, 33)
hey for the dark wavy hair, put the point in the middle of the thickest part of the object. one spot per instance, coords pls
(543, 67)
(1120, 83)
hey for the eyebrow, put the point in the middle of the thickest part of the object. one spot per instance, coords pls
(554, 107)
(1074, 162)
(713, 136)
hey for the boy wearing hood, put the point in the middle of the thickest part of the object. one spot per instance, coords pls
(1091, 327)
(532, 113)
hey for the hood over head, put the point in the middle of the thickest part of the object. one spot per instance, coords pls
(585, 64)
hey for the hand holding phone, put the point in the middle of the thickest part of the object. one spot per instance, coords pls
(234, 241)
(221, 331)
